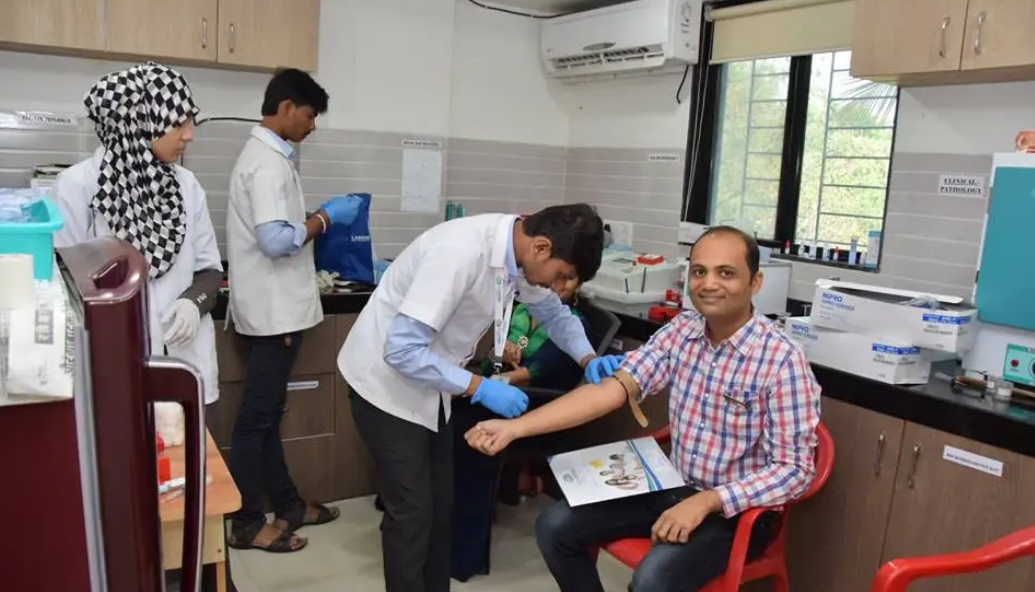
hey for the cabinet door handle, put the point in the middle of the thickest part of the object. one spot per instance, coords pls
(231, 38)
(945, 27)
(977, 35)
(204, 33)
(912, 470)
(880, 454)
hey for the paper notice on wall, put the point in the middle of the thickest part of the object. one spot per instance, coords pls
(421, 180)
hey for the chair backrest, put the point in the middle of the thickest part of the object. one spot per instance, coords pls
(824, 461)
(602, 325)
(897, 574)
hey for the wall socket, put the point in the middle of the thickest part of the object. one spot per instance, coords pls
(621, 232)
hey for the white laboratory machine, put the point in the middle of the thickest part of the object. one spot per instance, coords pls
(633, 282)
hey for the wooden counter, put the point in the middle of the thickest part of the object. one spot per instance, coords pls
(221, 498)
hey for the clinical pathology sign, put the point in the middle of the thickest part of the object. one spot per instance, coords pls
(961, 186)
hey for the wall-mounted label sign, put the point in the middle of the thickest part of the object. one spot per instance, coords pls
(37, 120)
(961, 186)
(415, 143)
(303, 385)
(973, 461)
(662, 158)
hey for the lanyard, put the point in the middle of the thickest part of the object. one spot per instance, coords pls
(503, 307)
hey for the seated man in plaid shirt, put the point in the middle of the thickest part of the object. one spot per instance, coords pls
(743, 409)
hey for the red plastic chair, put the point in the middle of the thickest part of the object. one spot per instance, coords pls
(772, 563)
(897, 574)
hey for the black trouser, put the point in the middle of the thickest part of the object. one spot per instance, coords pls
(567, 534)
(478, 480)
(257, 454)
(415, 481)
(475, 481)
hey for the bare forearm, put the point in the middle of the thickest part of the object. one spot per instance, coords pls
(580, 406)
(519, 377)
(316, 225)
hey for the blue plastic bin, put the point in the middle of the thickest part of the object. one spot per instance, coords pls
(34, 238)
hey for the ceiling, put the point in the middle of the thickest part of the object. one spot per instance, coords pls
(553, 6)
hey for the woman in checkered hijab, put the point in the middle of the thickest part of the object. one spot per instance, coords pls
(133, 190)
(144, 118)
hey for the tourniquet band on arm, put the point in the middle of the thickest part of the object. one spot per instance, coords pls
(632, 392)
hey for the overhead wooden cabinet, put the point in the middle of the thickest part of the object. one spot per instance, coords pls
(1000, 34)
(269, 33)
(836, 538)
(239, 34)
(943, 41)
(73, 24)
(184, 29)
(892, 37)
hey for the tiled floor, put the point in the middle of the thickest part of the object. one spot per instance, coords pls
(345, 556)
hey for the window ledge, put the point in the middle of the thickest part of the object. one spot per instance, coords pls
(824, 263)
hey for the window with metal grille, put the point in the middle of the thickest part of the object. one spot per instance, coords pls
(792, 149)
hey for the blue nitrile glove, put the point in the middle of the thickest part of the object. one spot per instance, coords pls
(601, 367)
(501, 398)
(342, 209)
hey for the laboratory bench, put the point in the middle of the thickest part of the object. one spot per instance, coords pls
(918, 470)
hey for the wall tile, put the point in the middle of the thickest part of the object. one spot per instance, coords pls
(931, 243)
(625, 186)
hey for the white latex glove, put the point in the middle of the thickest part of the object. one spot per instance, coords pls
(181, 322)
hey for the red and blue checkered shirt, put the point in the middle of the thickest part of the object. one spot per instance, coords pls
(743, 414)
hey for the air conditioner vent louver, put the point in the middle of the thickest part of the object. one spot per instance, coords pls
(610, 57)
(635, 36)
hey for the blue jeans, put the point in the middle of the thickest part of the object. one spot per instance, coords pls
(565, 536)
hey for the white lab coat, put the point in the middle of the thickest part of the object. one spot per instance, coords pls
(74, 191)
(268, 296)
(444, 279)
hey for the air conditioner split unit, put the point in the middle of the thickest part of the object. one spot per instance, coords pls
(642, 36)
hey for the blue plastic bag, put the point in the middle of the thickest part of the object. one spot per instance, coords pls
(347, 249)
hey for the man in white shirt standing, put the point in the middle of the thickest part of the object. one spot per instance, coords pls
(273, 298)
(404, 359)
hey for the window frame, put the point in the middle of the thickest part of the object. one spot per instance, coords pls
(699, 174)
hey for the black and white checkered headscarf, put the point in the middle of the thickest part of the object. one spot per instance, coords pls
(137, 193)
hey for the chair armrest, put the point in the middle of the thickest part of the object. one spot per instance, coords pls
(741, 541)
(897, 574)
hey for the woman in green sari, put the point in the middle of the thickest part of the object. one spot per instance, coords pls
(532, 359)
